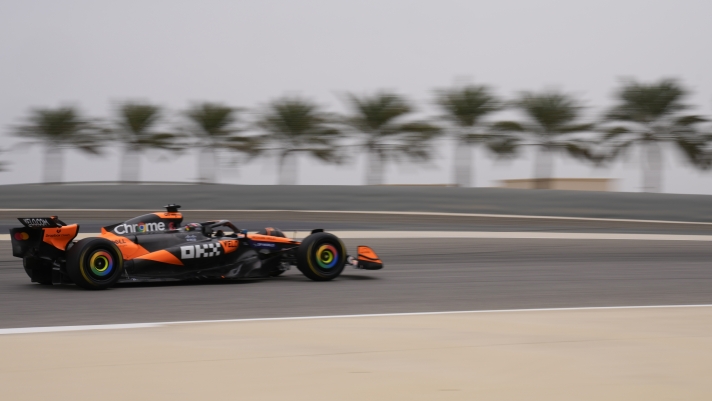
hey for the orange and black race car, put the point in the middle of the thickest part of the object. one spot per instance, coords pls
(158, 247)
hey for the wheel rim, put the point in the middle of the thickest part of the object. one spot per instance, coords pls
(101, 264)
(327, 256)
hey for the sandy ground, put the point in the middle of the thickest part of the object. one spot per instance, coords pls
(606, 354)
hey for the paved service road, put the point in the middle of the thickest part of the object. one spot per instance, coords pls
(91, 221)
(622, 205)
(420, 275)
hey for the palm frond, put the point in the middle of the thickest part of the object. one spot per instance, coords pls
(581, 150)
(466, 106)
(137, 118)
(293, 124)
(381, 120)
(375, 113)
(508, 126)
(135, 128)
(695, 151)
(574, 128)
(422, 130)
(551, 110)
(328, 155)
(212, 121)
(503, 147)
(646, 103)
(687, 121)
(551, 120)
(161, 140)
(62, 127)
(654, 109)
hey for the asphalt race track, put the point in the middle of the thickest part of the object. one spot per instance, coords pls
(420, 275)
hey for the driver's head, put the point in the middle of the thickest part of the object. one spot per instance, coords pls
(193, 227)
(275, 232)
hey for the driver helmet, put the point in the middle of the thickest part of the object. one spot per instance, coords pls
(193, 227)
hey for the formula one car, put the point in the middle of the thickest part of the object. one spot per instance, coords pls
(157, 247)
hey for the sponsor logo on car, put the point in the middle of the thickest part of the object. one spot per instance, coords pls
(139, 227)
(36, 222)
(21, 236)
(191, 238)
(229, 246)
(57, 235)
(200, 251)
(264, 244)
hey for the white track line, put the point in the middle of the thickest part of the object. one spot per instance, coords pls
(509, 235)
(480, 235)
(443, 214)
(55, 329)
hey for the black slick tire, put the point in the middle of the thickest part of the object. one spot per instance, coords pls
(95, 263)
(321, 257)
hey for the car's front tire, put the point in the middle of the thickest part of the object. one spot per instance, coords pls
(95, 263)
(321, 256)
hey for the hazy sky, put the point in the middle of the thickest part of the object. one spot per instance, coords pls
(245, 53)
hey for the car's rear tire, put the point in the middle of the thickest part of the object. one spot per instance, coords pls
(321, 257)
(95, 263)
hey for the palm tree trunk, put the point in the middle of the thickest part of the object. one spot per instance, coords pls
(462, 169)
(288, 168)
(206, 164)
(53, 164)
(199, 164)
(130, 165)
(213, 164)
(543, 168)
(374, 169)
(652, 167)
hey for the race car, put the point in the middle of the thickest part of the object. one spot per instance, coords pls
(158, 247)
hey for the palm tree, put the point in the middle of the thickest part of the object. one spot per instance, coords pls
(552, 119)
(59, 129)
(649, 115)
(464, 108)
(379, 119)
(135, 130)
(291, 126)
(214, 127)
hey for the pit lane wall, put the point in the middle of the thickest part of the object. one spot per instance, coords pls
(618, 205)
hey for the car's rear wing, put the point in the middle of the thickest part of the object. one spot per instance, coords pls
(42, 237)
(41, 222)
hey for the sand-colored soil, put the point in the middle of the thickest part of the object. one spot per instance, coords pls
(623, 354)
